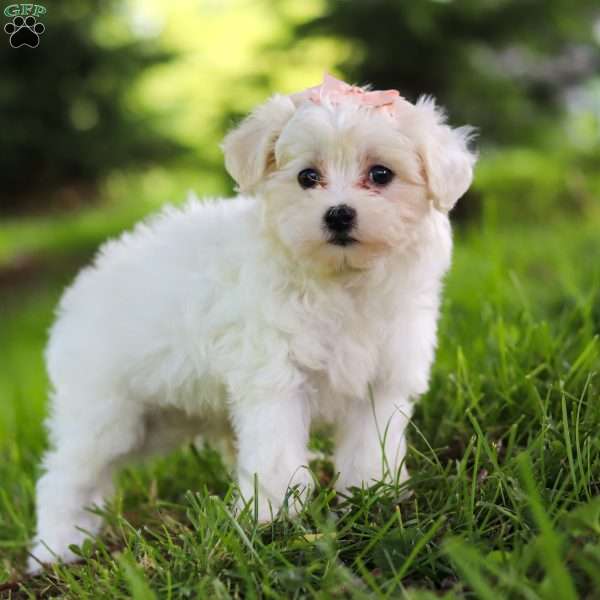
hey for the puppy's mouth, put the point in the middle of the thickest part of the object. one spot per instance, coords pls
(342, 239)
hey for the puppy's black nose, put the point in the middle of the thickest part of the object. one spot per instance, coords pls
(340, 218)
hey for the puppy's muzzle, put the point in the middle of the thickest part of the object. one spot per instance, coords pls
(339, 221)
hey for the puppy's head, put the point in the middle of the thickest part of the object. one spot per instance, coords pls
(347, 175)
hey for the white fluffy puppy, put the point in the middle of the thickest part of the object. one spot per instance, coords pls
(251, 318)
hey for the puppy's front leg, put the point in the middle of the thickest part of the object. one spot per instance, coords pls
(370, 442)
(272, 433)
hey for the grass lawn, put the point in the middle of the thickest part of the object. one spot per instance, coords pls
(504, 457)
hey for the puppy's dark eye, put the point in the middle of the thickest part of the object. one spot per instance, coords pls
(309, 178)
(380, 175)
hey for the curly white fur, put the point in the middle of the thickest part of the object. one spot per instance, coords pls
(237, 319)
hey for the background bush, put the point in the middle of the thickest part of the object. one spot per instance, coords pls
(117, 86)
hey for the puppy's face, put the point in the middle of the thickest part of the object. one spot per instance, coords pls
(344, 184)
(346, 188)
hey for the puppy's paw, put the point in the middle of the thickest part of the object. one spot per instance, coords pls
(58, 550)
(364, 478)
(289, 500)
(42, 555)
(261, 508)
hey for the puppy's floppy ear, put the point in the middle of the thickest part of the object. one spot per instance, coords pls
(447, 160)
(249, 147)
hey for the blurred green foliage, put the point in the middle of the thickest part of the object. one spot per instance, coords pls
(501, 65)
(127, 87)
(67, 119)
(524, 184)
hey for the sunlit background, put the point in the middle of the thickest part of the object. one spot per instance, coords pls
(122, 106)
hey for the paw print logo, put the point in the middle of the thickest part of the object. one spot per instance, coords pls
(24, 32)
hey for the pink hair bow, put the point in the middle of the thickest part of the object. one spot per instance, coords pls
(337, 91)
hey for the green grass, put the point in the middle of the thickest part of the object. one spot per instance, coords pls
(504, 457)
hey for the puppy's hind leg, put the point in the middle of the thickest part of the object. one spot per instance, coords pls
(89, 439)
